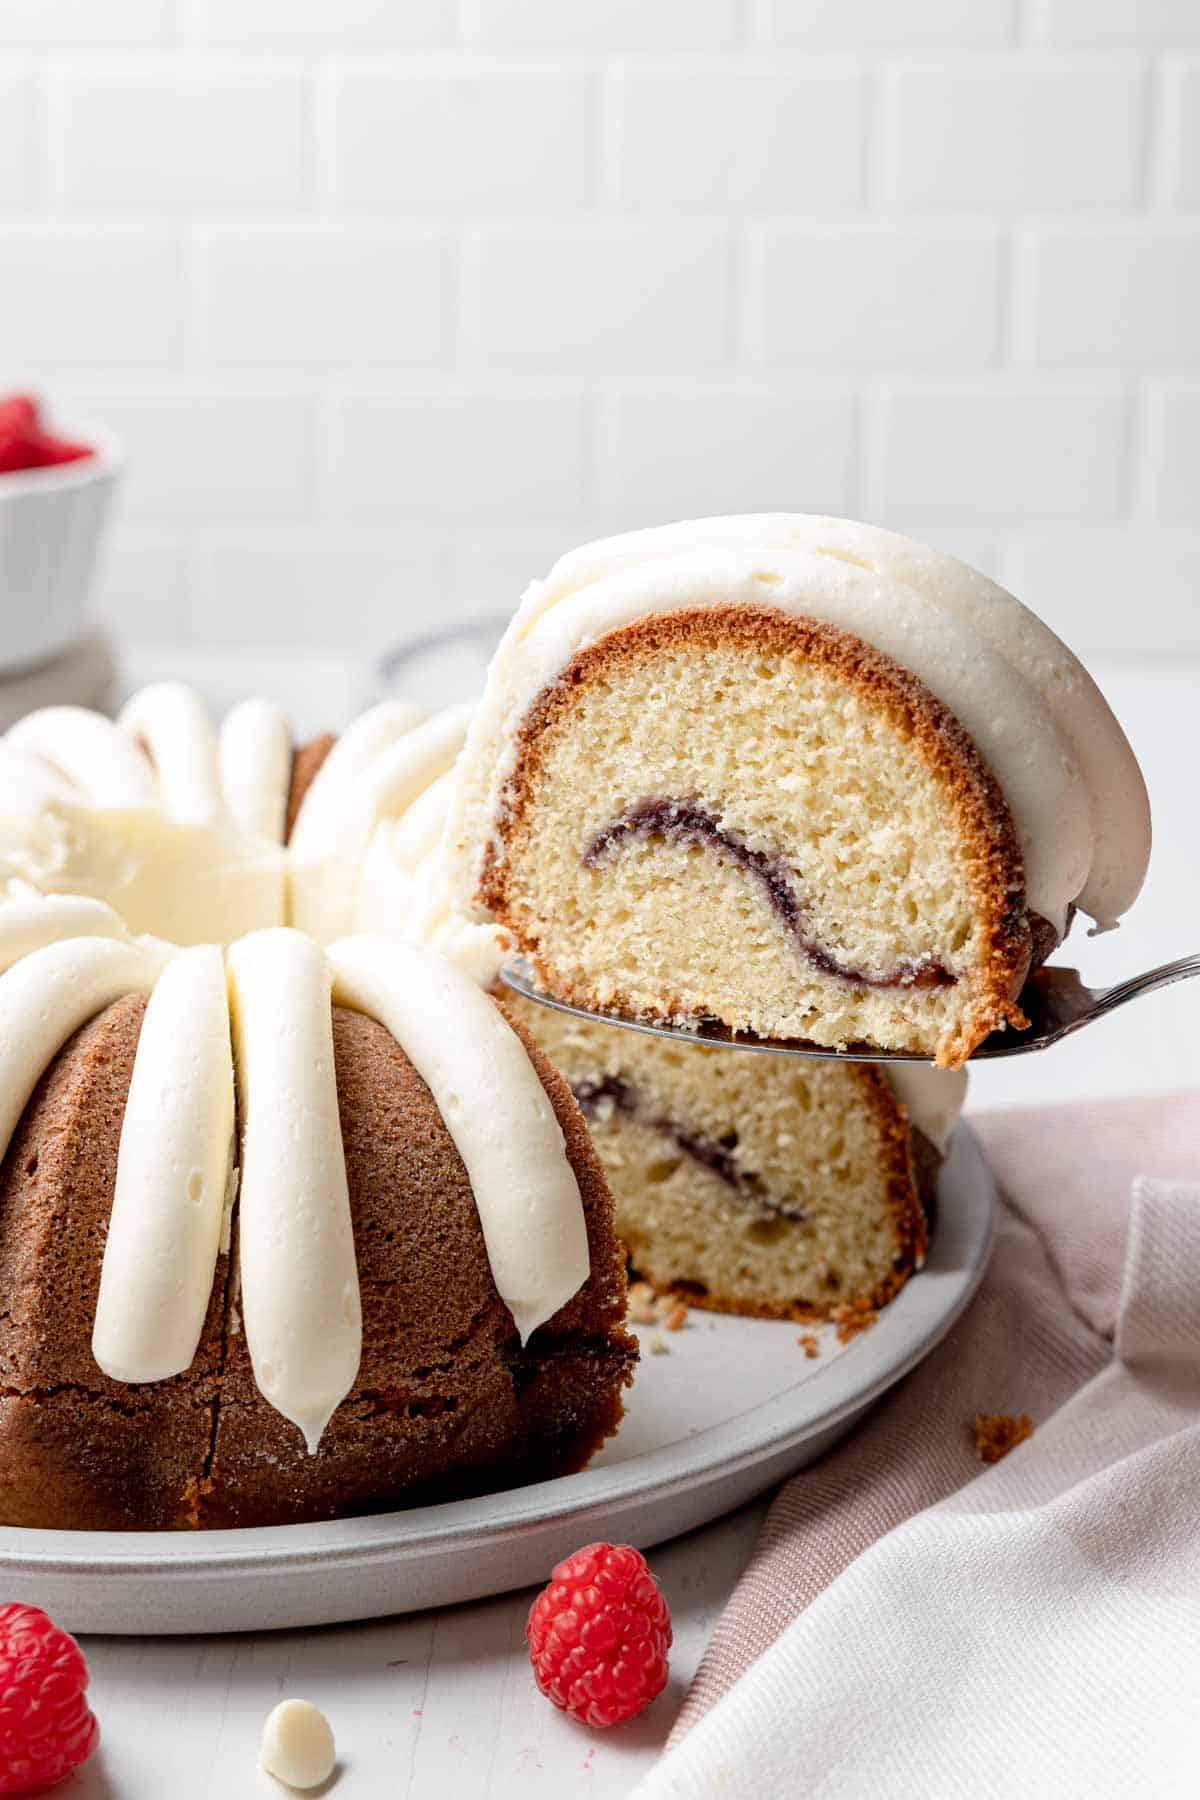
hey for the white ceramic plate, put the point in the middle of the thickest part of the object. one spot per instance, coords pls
(732, 1408)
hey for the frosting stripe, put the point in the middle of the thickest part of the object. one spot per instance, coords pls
(478, 1071)
(323, 885)
(173, 723)
(28, 783)
(30, 920)
(299, 1276)
(317, 828)
(255, 755)
(46, 997)
(89, 750)
(164, 1234)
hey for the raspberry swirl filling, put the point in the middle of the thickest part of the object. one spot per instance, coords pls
(612, 1093)
(685, 822)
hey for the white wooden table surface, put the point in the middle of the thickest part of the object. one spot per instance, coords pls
(443, 1703)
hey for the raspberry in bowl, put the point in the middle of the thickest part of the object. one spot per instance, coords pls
(56, 486)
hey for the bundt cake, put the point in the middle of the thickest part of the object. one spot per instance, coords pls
(292, 1223)
(795, 775)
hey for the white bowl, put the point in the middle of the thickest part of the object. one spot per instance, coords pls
(51, 524)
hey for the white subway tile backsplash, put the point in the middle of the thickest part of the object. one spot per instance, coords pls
(874, 296)
(18, 166)
(505, 25)
(451, 140)
(143, 586)
(317, 296)
(1115, 296)
(998, 452)
(1174, 456)
(1183, 135)
(1011, 133)
(160, 137)
(196, 455)
(779, 139)
(319, 24)
(462, 456)
(870, 24)
(71, 24)
(1137, 23)
(789, 446)
(71, 296)
(610, 298)
(394, 302)
(310, 591)
(1120, 595)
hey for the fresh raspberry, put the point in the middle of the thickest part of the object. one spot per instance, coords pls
(53, 450)
(46, 1726)
(599, 1635)
(20, 416)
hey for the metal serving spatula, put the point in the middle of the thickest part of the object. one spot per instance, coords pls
(1055, 1002)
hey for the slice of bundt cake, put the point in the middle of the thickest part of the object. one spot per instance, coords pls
(796, 776)
(754, 1184)
(758, 1184)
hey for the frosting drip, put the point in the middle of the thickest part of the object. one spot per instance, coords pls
(45, 998)
(164, 1233)
(299, 1277)
(685, 822)
(461, 1045)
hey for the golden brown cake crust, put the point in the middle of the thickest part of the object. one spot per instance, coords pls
(446, 1402)
(78, 1450)
(905, 1201)
(972, 791)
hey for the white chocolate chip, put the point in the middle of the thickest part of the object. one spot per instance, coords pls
(297, 1745)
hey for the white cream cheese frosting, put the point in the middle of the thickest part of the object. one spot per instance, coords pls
(932, 1098)
(102, 764)
(171, 723)
(173, 1167)
(28, 783)
(479, 1074)
(30, 920)
(254, 752)
(1069, 777)
(47, 996)
(136, 817)
(299, 1277)
(330, 842)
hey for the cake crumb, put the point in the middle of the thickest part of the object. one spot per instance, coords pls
(998, 1433)
(642, 1303)
(656, 1343)
(811, 1344)
(853, 1318)
(674, 1317)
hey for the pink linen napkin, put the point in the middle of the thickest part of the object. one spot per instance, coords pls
(1089, 1325)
